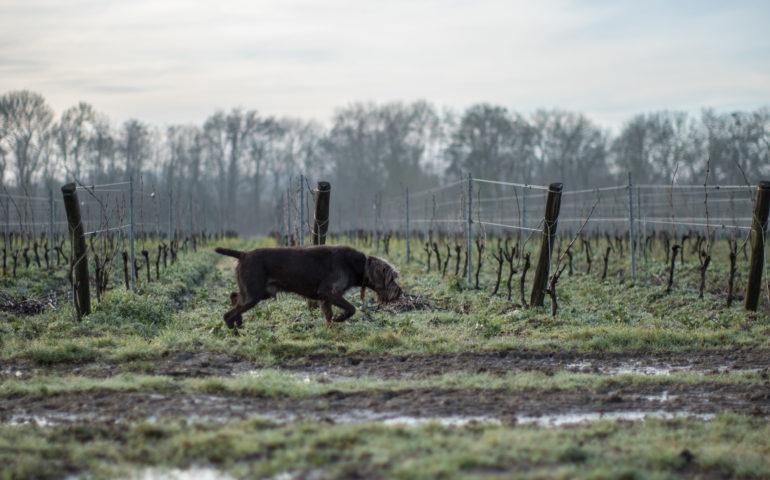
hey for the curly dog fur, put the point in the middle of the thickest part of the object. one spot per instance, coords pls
(321, 273)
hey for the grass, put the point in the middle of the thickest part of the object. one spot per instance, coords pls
(280, 383)
(184, 311)
(730, 446)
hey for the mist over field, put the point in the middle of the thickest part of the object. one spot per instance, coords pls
(239, 164)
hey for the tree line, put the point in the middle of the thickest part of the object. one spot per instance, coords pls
(239, 164)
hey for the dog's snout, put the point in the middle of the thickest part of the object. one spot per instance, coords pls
(395, 293)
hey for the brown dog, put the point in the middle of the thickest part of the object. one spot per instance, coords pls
(322, 273)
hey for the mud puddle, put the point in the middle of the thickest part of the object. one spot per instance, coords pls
(450, 407)
(566, 419)
(193, 473)
(638, 367)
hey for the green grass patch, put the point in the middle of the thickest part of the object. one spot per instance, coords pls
(184, 312)
(269, 382)
(731, 446)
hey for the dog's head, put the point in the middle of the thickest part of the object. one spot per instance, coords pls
(381, 277)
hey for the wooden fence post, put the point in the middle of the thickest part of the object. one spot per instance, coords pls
(469, 239)
(302, 210)
(758, 232)
(50, 227)
(522, 223)
(132, 236)
(631, 235)
(171, 223)
(321, 222)
(552, 206)
(78, 240)
(284, 230)
(425, 239)
(289, 231)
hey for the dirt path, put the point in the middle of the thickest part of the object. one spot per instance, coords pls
(200, 364)
(507, 361)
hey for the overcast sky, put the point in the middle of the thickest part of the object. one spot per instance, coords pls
(169, 62)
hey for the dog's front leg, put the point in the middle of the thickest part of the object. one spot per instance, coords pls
(348, 308)
(238, 319)
(234, 315)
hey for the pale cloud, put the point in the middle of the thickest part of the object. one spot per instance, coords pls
(177, 62)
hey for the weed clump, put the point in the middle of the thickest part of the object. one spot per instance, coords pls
(383, 341)
(65, 352)
(126, 312)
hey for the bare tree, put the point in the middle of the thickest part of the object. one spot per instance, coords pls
(654, 146)
(482, 142)
(135, 146)
(3, 151)
(356, 147)
(569, 148)
(264, 153)
(379, 143)
(240, 156)
(74, 134)
(51, 165)
(407, 129)
(301, 149)
(182, 162)
(739, 145)
(215, 145)
(226, 148)
(26, 121)
(102, 161)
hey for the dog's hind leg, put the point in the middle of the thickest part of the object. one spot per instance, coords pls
(326, 309)
(238, 320)
(250, 292)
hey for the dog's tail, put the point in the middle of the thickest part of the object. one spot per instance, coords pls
(230, 253)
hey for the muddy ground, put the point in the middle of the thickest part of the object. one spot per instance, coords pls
(338, 407)
(508, 407)
(415, 366)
